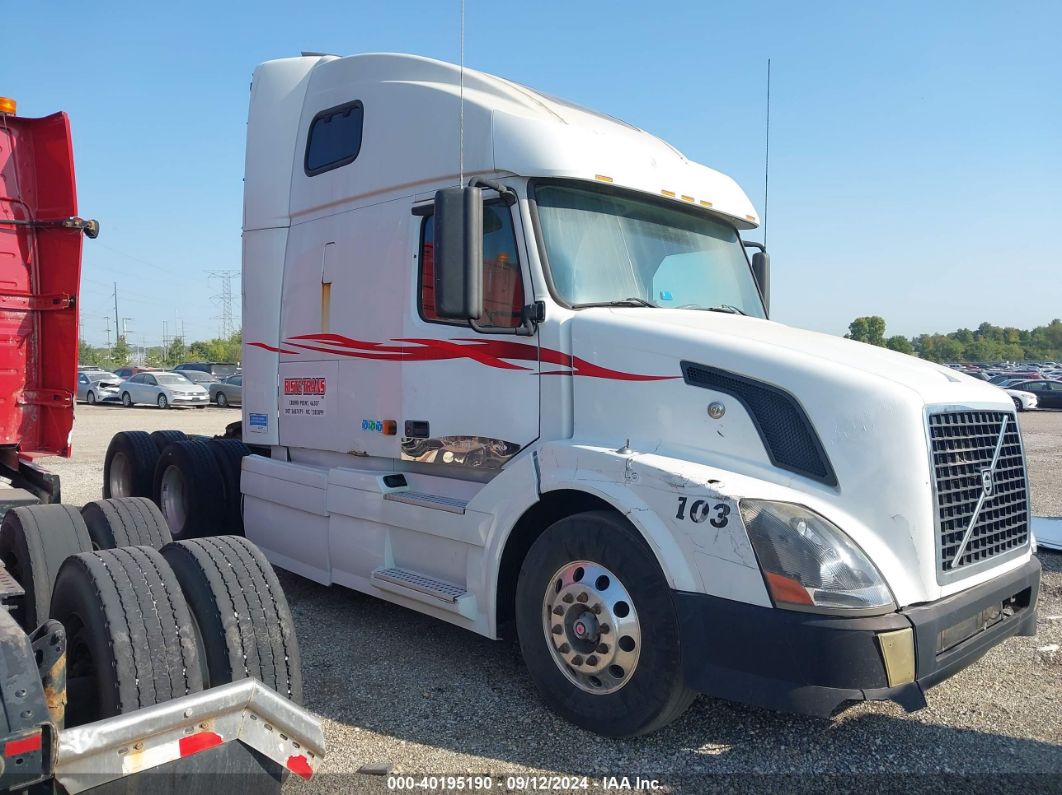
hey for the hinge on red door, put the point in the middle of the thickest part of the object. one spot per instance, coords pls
(25, 302)
(46, 397)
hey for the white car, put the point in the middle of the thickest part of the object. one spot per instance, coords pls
(162, 389)
(1023, 401)
(97, 386)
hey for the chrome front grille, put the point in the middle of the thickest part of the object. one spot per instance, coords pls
(982, 511)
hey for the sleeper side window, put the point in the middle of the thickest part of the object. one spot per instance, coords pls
(334, 139)
(503, 288)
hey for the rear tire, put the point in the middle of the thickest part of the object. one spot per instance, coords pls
(223, 401)
(34, 542)
(130, 638)
(626, 703)
(189, 488)
(126, 522)
(239, 607)
(163, 438)
(229, 455)
(129, 467)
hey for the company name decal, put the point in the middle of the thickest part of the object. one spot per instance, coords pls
(492, 353)
(305, 386)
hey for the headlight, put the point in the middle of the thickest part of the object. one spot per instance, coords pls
(808, 562)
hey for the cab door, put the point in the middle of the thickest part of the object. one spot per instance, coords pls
(470, 395)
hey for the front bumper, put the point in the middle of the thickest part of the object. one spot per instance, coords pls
(189, 400)
(813, 664)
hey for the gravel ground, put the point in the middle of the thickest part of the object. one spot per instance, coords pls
(399, 689)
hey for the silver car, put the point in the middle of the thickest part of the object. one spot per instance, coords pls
(228, 392)
(163, 390)
(97, 386)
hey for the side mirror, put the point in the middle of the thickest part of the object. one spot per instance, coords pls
(761, 270)
(459, 253)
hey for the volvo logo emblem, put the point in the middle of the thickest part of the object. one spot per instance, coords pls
(986, 481)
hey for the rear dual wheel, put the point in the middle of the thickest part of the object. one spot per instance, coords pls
(598, 627)
(197, 486)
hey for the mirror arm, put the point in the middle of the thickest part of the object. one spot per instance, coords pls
(507, 194)
(754, 244)
(530, 316)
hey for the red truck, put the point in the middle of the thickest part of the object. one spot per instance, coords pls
(123, 655)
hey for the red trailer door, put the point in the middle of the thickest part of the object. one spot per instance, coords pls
(40, 264)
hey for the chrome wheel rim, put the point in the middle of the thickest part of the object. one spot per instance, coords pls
(172, 498)
(162, 402)
(121, 476)
(591, 627)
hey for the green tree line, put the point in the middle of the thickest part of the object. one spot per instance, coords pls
(121, 353)
(986, 343)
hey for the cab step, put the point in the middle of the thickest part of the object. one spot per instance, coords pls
(435, 501)
(426, 589)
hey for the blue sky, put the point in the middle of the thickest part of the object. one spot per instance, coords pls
(915, 147)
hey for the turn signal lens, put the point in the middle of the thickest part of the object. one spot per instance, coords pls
(7, 105)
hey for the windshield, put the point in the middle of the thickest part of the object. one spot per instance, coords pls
(171, 379)
(611, 246)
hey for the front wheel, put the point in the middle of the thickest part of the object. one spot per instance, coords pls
(126, 400)
(598, 627)
(90, 398)
(163, 402)
(222, 400)
(1018, 404)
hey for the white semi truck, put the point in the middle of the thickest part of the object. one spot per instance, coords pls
(517, 370)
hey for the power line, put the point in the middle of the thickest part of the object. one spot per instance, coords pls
(224, 301)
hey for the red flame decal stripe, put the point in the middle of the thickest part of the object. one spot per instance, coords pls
(499, 354)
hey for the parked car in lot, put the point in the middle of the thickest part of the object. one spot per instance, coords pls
(129, 372)
(1023, 401)
(97, 386)
(198, 377)
(218, 369)
(1048, 393)
(227, 392)
(163, 389)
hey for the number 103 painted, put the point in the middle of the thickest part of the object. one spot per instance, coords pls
(702, 509)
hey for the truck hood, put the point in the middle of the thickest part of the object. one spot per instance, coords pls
(758, 339)
(865, 405)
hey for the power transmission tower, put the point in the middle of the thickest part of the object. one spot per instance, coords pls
(224, 301)
(108, 319)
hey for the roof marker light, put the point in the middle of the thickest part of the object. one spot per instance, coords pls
(668, 193)
(705, 203)
(686, 198)
(603, 178)
(751, 218)
(7, 105)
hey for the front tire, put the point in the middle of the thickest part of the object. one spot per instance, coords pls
(598, 627)
(90, 398)
(127, 401)
(163, 402)
(1018, 404)
(223, 401)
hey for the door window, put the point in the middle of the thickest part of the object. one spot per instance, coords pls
(503, 287)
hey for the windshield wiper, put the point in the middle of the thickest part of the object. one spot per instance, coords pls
(618, 302)
(730, 309)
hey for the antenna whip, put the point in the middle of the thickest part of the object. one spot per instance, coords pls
(461, 123)
(767, 153)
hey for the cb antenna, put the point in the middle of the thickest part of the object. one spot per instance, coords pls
(767, 153)
(461, 112)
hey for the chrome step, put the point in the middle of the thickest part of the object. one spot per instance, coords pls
(429, 586)
(439, 503)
